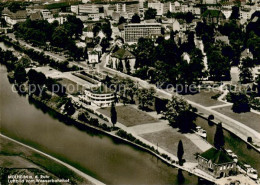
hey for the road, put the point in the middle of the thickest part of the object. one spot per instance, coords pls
(230, 124)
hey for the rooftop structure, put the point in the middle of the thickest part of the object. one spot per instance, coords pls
(217, 163)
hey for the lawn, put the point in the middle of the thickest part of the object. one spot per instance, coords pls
(250, 119)
(204, 98)
(168, 140)
(71, 86)
(129, 116)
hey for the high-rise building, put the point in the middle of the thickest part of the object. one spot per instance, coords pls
(134, 31)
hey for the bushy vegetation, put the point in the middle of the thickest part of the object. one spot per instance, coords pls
(40, 32)
(240, 102)
(180, 114)
(85, 117)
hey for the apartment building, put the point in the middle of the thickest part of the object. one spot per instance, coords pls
(85, 9)
(158, 6)
(134, 31)
(246, 13)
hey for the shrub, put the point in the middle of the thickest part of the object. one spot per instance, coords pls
(215, 97)
(211, 117)
(249, 139)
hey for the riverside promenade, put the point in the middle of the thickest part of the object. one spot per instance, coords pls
(234, 126)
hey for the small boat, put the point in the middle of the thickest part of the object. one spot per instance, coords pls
(201, 132)
(251, 172)
(232, 155)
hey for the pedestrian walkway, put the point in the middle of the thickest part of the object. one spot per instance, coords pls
(219, 106)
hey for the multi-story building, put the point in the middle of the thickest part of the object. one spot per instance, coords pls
(100, 96)
(46, 14)
(85, 8)
(134, 31)
(158, 6)
(246, 13)
(13, 18)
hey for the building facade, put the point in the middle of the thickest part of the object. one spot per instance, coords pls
(99, 98)
(134, 31)
(217, 163)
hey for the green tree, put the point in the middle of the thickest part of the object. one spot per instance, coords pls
(219, 140)
(257, 81)
(127, 66)
(145, 97)
(120, 66)
(245, 68)
(150, 13)
(104, 44)
(20, 74)
(113, 114)
(240, 103)
(189, 17)
(135, 19)
(3, 22)
(74, 25)
(60, 37)
(106, 28)
(180, 177)
(219, 66)
(69, 108)
(235, 13)
(180, 152)
(180, 114)
(121, 20)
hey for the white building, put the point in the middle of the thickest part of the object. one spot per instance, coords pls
(46, 14)
(246, 13)
(134, 31)
(227, 12)
(93, 57)
(60, 20)
(158, 6)
(100, 96)
(13, 18)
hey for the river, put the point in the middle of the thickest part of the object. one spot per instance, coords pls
(96, 154)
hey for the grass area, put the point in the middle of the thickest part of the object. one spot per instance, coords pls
(71, 86)
(9, 148)
(250, 119)
(168, 140)
(204, 98)
(129, 116)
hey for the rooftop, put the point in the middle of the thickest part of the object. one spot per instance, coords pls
(216, 156)
(123, 54)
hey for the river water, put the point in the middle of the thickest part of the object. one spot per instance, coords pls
(98, 155)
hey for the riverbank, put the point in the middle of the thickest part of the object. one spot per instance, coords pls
(125, 138)
(134, 141)
(39, 160)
